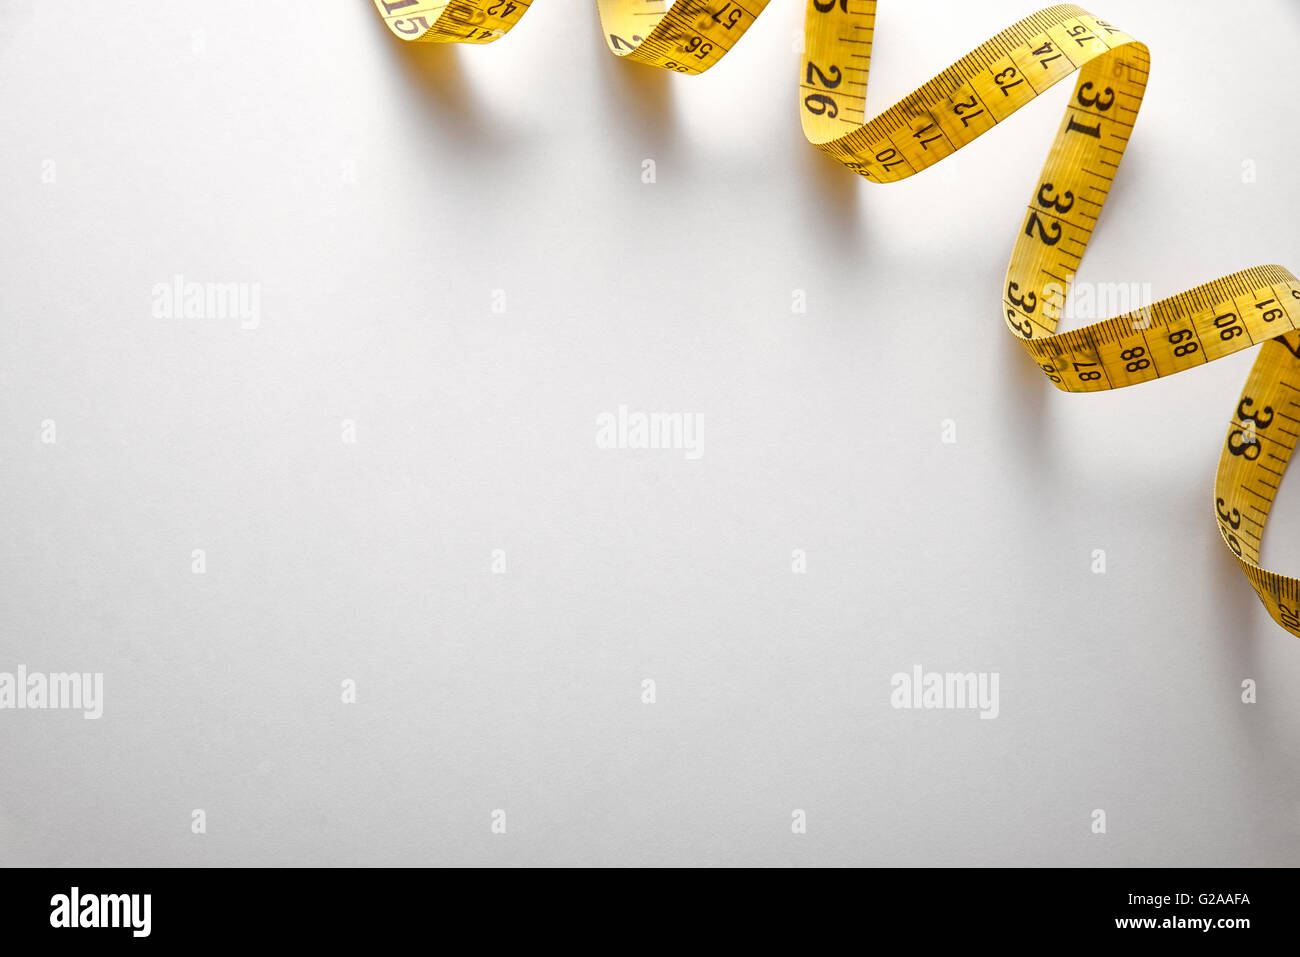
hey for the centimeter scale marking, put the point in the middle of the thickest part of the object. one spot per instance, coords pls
(956, 107)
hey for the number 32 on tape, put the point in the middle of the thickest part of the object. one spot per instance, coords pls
(1254, 306)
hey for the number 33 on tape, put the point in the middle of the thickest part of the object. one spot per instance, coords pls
(1254, 306)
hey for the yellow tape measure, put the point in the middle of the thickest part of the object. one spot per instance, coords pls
(1260, 305)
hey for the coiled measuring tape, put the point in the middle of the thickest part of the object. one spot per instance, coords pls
(1259, 305)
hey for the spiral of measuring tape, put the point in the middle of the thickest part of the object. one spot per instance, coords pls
(1254, 306)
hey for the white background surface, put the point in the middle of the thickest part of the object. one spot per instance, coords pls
(212, 140)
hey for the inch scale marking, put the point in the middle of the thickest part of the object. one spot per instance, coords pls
(951, 110)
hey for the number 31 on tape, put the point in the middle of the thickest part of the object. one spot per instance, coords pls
(1258, 306)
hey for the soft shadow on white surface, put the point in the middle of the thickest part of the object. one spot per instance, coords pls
(504, 169)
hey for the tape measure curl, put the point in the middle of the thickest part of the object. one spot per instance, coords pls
(1254, 306)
